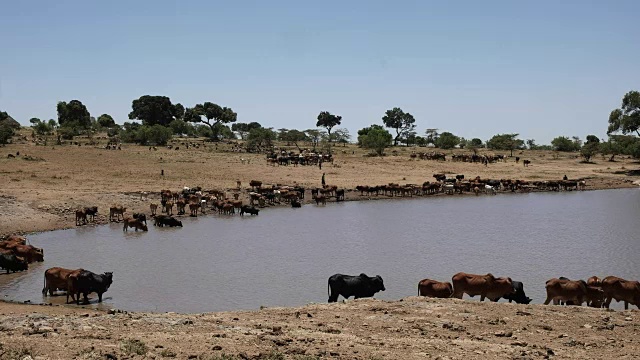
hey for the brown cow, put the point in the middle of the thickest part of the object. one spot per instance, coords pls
(134, 223)
(154, 208)
(193, 208)
(117, 211)
(168, 208)
(565, 290)
(487, 286)
(29, 253)
(433, 288)
(81, 217)
(621, 290)
(55, 279)
(594, 281)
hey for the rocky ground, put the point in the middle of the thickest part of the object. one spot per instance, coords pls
(411, 328)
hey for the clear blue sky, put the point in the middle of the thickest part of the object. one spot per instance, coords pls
(475, 68)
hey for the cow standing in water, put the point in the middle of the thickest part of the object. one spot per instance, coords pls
(357, 286)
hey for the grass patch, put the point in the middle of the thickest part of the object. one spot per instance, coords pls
(13, 353)
(133, 346)
(168, 353)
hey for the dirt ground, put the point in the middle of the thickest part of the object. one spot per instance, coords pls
(42, 187)
(411, 328)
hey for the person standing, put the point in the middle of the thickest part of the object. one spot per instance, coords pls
(323, 182)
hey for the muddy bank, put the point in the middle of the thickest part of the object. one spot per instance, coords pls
(411, 328)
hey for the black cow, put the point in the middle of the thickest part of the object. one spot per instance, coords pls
(10, 262)
(162, 220)
(518, 296)
(91, 212)
(340, 195)
(140, 217)
(358, 286)
(296, 204)
(249, 210)
(89, 282)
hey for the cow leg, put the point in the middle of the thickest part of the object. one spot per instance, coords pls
(481, 297)
(546, 302)
(99, 297)
(626, 305)
(607, 302)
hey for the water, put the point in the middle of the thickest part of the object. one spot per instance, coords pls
(283, 257)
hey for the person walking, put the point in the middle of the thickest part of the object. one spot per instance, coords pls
(323, 182)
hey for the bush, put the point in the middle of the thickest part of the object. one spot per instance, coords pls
(6, 132)
(376, 139)
(133, 346)
(146, 135)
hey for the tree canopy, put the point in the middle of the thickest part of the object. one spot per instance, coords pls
(626, 119)
(106, 121)
(563, 143)
(244, 128)
(376, 138)
(214, 116)
(341, 136)
(447, 140)
(400, 121)
(505, 142)
(260, 139)
(73, 115)
(152, 110)
(328, 121)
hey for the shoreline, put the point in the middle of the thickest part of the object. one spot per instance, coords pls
(65, 216)
(409, 328)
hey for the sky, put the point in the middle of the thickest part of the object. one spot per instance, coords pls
(474, 68)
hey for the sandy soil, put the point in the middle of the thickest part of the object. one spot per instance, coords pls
(412, 328)
(43, 186)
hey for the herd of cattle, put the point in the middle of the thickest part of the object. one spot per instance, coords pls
(594, 292)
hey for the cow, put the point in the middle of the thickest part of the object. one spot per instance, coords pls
(526, 162)
(487, 286)
(193, 209)
(154, 208)
(359, 286)
(594, 281)
(55, 278)
(13, 263)
(249, 210)
(563, 289)
(489, 189)
(91, 212)
(433, 288)
(140, 216)
(340, 195)
(162, 220)
(29, 253)
(81, 217)
(621, 290)
(518, 296)
(117, 211)
(296, 204)
(321, 199)
(133, 223)
(87, 282)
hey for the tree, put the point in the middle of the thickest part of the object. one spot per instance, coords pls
(432, 136)
(178, 111)
(531, 143)
(215, 116)
(40, 127)
(341, 136)
(73, 115)
(563, 143)
(376, 139)
(589, 150)
(179, 126)
(152, 110)
(328, 121)
(447, 140)
(592, 139)
(314, 136)
(626, 119)
(505, 142)
(400, 121)
(408, 138)
(243, 128)
(577, 143)
(260, 139)
(106, 121)
(475, 142)
(421, 141)
(6, 132)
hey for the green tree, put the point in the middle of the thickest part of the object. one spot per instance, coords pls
(365, 131)
(563, 143)
(589, 150)
(328, 121)
(243, 128)
(314, 136)
(592, 139)
(214, 116)
(178, 111)
(505, 142)
(421, 141)
(376, 139)
(152, 110)
(447, 140)
(40, 127)
(475, 142)
(106, 121)
(73, 115)
(400, 121)
(260, 139)
(179, 127)
(626, 119)
(531, 143)
(432, 136)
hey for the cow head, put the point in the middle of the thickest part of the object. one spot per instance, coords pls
(37, 254)
(378, 284)
(108, 279)
(144, 227)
